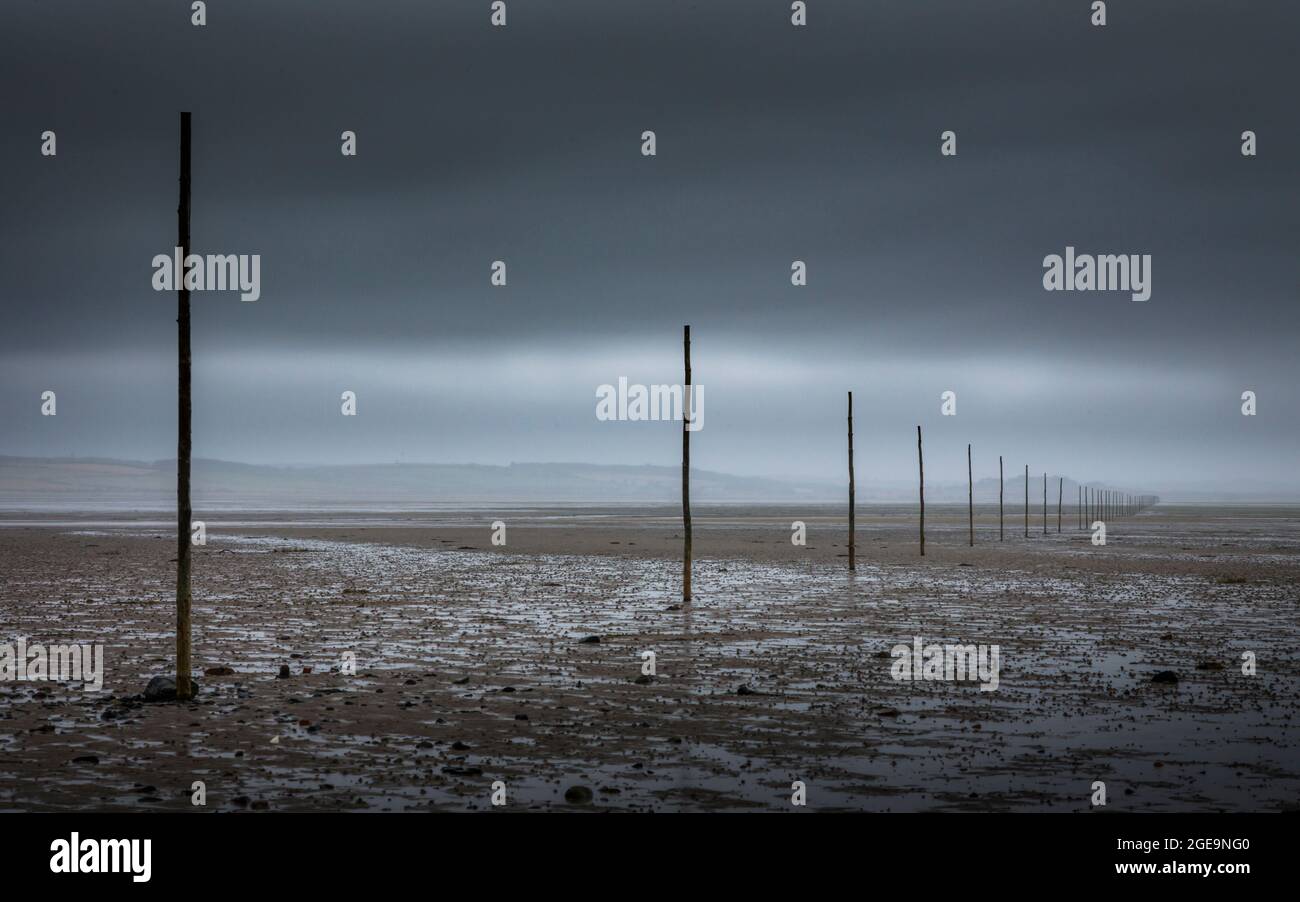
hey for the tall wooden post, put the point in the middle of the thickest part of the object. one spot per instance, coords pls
(686, 466)
(970, 496)
(184, 511)
(852, 565)
(920, 462)
(1001, 524)
(1026, 501)
(1060, 489)
(1044, 504)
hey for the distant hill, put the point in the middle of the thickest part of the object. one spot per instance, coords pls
(65, 482)
(27, 482)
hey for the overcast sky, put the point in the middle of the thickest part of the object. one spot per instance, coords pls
(775, 143)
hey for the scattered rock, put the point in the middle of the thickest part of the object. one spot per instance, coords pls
(1165, 676)
(163, 689)
(1209, 665)
(86, 759)
(219, 671)
(589, 640)
(645, 678)
(457, 770)
(577, 795)
(284, 672)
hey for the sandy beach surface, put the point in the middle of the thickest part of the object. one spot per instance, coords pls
(478, 664)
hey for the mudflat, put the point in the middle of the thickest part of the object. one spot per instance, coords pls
(426, 664)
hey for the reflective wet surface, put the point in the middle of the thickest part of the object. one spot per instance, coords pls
(470, 668)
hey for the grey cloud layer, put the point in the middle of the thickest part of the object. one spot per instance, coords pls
(775, 144)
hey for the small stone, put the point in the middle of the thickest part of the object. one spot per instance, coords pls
(456, 770)
(589, 640)
(219, 671)
(284, 672)
(577, 795)
(163, 689)
(1165, 676)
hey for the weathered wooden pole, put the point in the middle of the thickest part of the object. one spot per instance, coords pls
(1044, 504)
(184, 511)
(686, 466)
(1026, 501)
(1060, 489)
(920, 463)
(1001, 525)
(1078, 506)
(970, 496)
(851, 540)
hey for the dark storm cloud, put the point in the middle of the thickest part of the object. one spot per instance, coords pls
(775, 144)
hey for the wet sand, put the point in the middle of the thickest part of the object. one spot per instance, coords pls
(471, 666)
